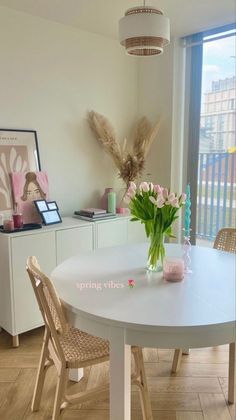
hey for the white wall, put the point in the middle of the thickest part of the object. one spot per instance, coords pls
(155, 101)
(50, 75)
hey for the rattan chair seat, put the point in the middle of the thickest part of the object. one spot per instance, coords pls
(80, 347)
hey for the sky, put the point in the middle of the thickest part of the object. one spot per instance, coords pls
(218, 61)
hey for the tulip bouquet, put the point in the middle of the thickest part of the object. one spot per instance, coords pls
(156, 207)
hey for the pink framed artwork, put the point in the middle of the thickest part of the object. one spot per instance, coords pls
(18, 153)
(27, 187)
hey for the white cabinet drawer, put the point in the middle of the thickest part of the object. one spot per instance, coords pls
(73, 241)
(27, 315)
(111, 233)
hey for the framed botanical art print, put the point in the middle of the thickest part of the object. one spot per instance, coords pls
(18, 153)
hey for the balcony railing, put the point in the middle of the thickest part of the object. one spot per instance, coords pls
(216, 200)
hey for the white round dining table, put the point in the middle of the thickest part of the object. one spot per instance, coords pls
(199, 311)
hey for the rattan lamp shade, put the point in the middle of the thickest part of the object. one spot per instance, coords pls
(144, 31)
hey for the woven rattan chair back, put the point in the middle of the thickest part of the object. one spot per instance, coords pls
(49, 304)
(226, 240)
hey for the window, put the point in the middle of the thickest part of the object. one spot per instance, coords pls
(232, 104)
(211, 133)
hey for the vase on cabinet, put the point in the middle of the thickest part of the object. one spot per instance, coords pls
(104, 199)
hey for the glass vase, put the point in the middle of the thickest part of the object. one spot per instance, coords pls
(156, 252)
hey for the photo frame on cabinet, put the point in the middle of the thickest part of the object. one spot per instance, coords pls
(41, 205)
(18, 153)
(52, 205)
(51, 217)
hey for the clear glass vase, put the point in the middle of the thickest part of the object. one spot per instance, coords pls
(156, 252)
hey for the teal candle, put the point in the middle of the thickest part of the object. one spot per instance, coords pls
(111, 201)
(187, 212)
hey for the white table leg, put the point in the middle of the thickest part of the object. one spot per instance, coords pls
(120, 376)
(76, 374)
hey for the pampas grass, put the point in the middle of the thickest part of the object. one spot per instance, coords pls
(130, 164)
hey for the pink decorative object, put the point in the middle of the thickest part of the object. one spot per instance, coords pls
(28, 187)
(131, 283)
(8, 225)
(173, 269)
(104, 199)
(121, 210)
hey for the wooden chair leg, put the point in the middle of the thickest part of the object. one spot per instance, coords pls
(144, 394)
(176, 360)
(41, 373)
(232, 373)
(60, 392)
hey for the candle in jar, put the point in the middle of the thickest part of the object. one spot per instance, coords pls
(8, 225)
(173, 269)
(187, 219)
(18, 220)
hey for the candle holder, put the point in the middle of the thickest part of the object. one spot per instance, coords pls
(187, 248)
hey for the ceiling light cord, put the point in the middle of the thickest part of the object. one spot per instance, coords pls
(144, 3)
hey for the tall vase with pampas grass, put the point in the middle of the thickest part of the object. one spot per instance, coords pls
(130, 162)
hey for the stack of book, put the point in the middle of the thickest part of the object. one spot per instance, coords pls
(93, 214)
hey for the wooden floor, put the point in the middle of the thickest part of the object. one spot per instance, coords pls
(197, 392)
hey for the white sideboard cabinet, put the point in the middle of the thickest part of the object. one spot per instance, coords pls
(51, 245)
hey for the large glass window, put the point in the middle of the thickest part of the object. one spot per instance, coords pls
(212, 149)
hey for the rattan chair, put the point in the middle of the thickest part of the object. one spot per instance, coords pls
(225, 241)
(67, 347)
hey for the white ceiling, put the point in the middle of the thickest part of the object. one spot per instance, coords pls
(101, 16)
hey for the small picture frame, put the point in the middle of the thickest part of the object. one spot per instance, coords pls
(52, 205)
(41, 205)
(51, 217)
(48, 210)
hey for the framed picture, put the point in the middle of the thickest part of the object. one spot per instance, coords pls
(52, 205)
(41, 205)
(18, 153)
(50, 217)
(28, 187)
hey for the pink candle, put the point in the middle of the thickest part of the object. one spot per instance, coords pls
(8, 225)
(18, 220)
(173, 269)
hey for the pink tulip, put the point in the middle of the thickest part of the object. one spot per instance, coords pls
(160, 202)
(170, 198)
(131, 192)
(158, 189)
(144, 186)
(165, 193)
(132, 185)
(151, 186)
(175, 202)
(153, 200)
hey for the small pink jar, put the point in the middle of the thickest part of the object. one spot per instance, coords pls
(173, 269)
(8, 225)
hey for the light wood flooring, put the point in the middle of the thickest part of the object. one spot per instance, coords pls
(198, 391)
